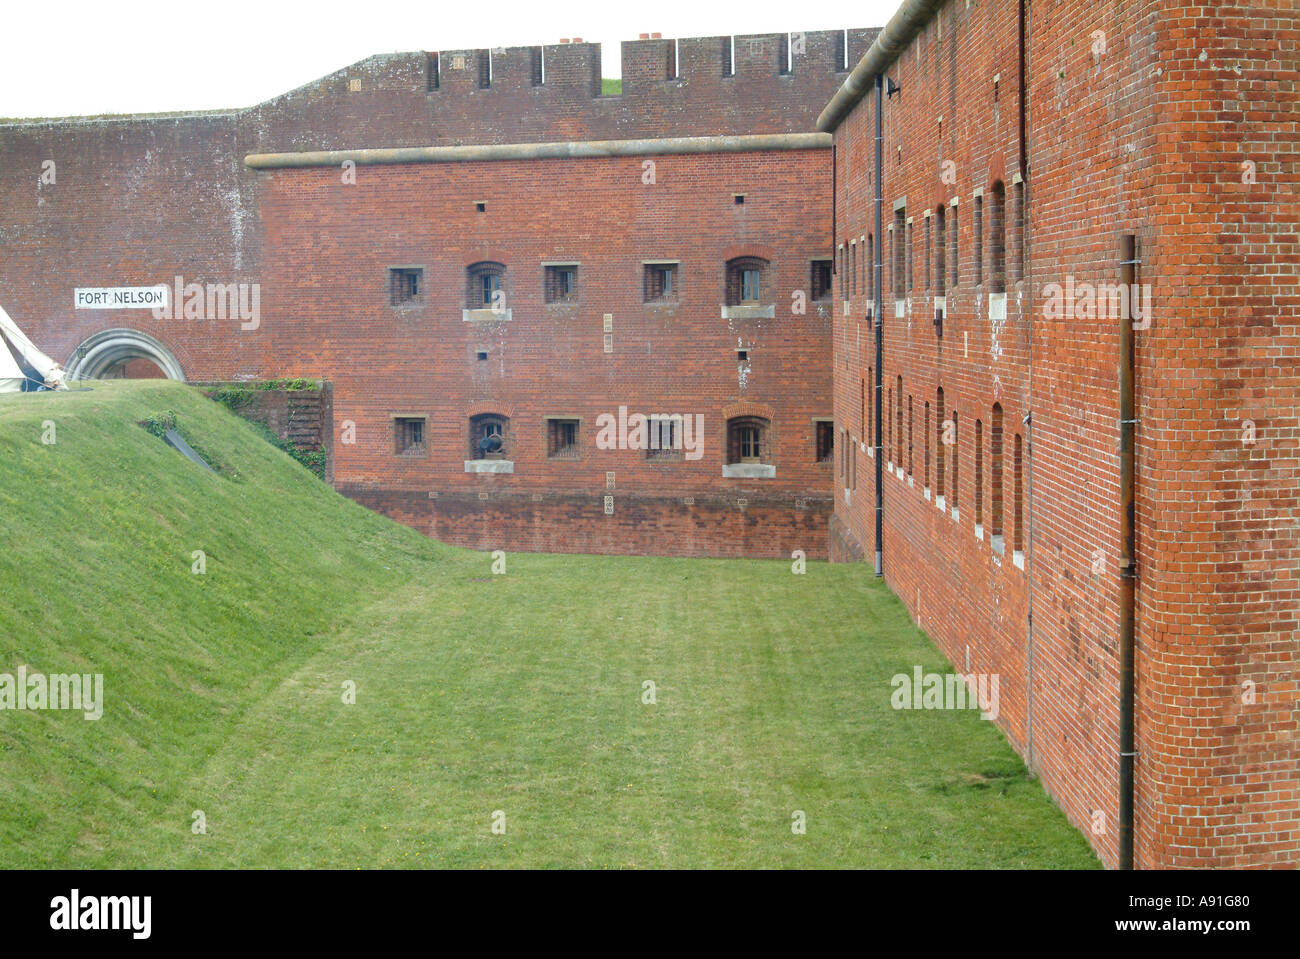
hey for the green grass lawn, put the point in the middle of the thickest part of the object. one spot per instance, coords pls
(475, 692)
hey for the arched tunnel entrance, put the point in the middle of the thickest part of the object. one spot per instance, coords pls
(123, 354)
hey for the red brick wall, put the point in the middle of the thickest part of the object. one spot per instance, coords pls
(139, 201)
(640, 524)
(1219, 533)
(328, 314)
(394, 106)
(1128, 139)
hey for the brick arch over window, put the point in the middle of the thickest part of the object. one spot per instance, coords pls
(748, 408)
(739, 250)
(488, 406)
(483, 255)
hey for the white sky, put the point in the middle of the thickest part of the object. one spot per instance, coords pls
(138, 56)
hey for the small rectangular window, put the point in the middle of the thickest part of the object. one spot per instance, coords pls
(405, 285)
(749, 286)
(664, 441)
(562, 439)
(825, 441)
(820, 281)
(408, 435)
(489, 286)
(660, 282)
(561, 284)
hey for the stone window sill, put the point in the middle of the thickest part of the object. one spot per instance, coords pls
(748, 312)
(489, 466)
(486, 315)
(748, 471)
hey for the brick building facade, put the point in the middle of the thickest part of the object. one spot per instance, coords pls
(471, 248)
(724, 168)
(1026, 165)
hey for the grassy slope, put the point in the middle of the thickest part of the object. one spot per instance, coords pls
(474, 692)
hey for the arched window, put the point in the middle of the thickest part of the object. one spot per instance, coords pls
(911, 434)
(928, 252)
(898, 425)
(898, 280)
(995, 476)
(954, 228)
(998, 239)
(940, 251)
(747, 440)
(485, 286)
(747, 281)
(925, 438)
(889, 426)
(488, 437)
(979, 473)
(871, 274)
(955, 486)
(1020, 250)
(1017, 507)
(940, 459)
(485, 283)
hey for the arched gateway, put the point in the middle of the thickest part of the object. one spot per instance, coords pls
(107, 354)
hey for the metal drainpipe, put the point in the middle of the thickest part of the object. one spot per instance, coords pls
(835, 193)
(1127, 568)
(880, 330)
(1027, 277)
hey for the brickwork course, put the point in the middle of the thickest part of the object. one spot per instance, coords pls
(1069, 144)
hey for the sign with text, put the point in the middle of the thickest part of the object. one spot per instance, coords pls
(120, 297)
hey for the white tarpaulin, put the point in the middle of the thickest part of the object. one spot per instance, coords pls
(22, 365)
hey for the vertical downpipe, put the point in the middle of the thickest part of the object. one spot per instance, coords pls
(880, 329)
(1027, 278)
(835, 194)
(1127, 562)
